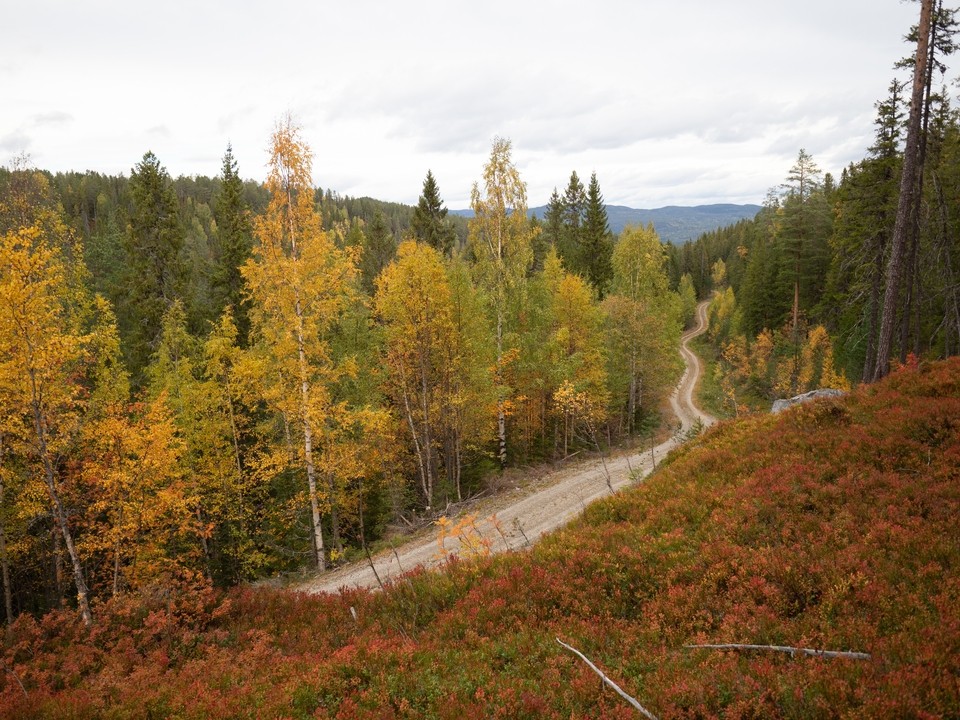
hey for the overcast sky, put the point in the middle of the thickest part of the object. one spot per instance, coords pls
(668, 102)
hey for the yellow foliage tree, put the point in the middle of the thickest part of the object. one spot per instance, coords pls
(298, 282)
(501, 238)
(643, 322)
(576, 353)
(413, 301)
(143, 510)
(431, 359)
(42, 352)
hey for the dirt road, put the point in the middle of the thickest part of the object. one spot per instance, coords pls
(525, 514)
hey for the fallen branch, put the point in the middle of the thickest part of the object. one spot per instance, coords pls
(372, 566)
(643, 711)
(786, 649)
(519, 526)
(15, 677)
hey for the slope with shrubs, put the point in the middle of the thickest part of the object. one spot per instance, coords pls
(832, 526)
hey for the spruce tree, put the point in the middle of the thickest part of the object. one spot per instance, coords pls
(866, 203)
(429, 223)
(155, 271)
(574, 204)
(802, 236)
(234, 240)
(379, 248)
(596, 242)
(552, 230)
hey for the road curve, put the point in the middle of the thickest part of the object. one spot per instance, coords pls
(523, 515)
(682, 399)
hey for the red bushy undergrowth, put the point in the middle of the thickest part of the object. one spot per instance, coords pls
(832, 526)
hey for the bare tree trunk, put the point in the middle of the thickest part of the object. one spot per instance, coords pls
(796, 307)
(632, 400)
(308, 445)
(334, 513)
(424, 484)
(429, 460)
(912, 168)
(4, 558)
(458, 467)
(911, 301)
(205, 546)
(501, 411)
(870, 362)
(60, 513)
(951, 304)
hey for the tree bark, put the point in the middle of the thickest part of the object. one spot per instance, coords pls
(870, 362)
(501, 410)
(308, 445)
(60, 513)
(4, 559)
(912, 168)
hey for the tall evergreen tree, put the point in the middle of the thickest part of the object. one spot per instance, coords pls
(379, 248)
(943, 27)
(802, 235)
(552, 230)
(596, 242)
(574, 205)
(909, 180)
(155, 272)
(234, 241)
(866, 209)
(429, 223)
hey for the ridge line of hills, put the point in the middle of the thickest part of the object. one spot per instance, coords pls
(674, 223)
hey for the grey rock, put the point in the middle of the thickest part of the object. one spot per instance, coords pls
(779, 405)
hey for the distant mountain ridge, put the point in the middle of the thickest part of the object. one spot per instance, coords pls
(674, 223)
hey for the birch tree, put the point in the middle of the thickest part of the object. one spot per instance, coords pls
(41, 353)
(501, 238)
(298, 281)
(413, 301)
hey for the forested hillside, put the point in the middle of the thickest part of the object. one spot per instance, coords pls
(207, 382)
(835, 276)
(674, 224)
(235, 380)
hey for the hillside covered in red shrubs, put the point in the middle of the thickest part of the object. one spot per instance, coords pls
(833, 526)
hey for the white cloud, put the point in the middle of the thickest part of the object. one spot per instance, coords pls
(668, 103)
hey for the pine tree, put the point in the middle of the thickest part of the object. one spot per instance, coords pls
(552, 235)
(909, 179)
(866, 202)
(429, 223)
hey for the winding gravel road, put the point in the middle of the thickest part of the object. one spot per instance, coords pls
(527, 513)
